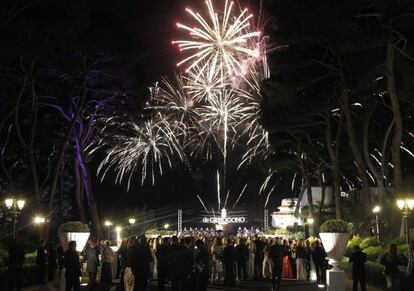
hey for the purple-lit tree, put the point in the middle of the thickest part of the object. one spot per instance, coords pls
(98, 90)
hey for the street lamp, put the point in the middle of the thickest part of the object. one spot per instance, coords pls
(39, 220)
(15, 206)
(118, 235)
(131, 222)
(406, 206)
(108, 224)
(376, 210)
(166, 226)
(308, 225)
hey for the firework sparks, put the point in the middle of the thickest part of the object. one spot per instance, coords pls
(146, 146)
(220, 41)
(202, 86)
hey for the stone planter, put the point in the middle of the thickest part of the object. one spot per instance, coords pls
(81, 239)
(334, 244)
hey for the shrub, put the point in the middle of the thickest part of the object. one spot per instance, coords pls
(369, 242)
(281, 231)
(373, 272)
(297, 235)
(374, 253)
(74, 226)
(30, 258)
(355, 241)
(403, 252)
(334, 225)
(4, 255)
(312, 239)
(29, 276)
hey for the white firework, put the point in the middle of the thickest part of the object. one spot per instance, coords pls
(146, 146)
(222, 41)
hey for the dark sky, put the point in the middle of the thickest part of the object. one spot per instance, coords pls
(140, 33)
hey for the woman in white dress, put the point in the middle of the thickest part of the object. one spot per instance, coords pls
(267, 263)
(250, 264)
(217, 262)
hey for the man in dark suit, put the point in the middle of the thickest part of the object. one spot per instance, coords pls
(319, 259)
(139, 258)
(162, 254)
(276, 253)
(15, 264)
(258, 257)
(180, 264)
(72, 267)
(242, 259)
(358, 259)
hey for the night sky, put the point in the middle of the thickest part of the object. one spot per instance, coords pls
(141, 31)
(139, 34)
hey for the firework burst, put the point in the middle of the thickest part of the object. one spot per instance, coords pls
(147, 146)
(222, 41)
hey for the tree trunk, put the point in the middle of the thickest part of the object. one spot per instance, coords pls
(355, 148)
(333, 153)
(66, 140)
(395, 105)
(377, 175)
(93, 207)
(78, 189)
(30, 151)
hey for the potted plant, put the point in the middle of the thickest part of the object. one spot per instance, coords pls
(74, 231)
(334, 234)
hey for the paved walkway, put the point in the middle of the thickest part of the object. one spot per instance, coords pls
(287, 285)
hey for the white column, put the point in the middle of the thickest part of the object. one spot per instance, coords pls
(335, 280)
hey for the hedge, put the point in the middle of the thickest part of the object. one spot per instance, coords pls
(373, 272)
(369, 242)
(29, 277)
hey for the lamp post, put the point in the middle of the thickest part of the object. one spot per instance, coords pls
(308, 225)
(131, 222)
(40, 221)
(15, 206)
(406, 206)
(376, 210)
(108, 224)
(118, 235)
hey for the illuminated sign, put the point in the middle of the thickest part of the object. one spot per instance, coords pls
(224, 220)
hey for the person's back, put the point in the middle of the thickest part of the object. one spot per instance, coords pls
(15, 264)
(358, 259)
(391, 271)
(318, 254)
(229, 253)
(180, 263)
(242, 253)
(276, 253)
(71, 263)
(16, 257)
(300, 252)
(92, 258)
(72, 267)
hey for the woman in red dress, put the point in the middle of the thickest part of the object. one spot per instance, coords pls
(287, 267)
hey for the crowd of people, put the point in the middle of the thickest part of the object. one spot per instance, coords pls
(192, 262)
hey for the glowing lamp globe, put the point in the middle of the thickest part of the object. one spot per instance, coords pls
(9, 203)
(400, 204)
(20, 204)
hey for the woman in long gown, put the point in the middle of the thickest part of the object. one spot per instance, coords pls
(217, 261)
(287, 267)
(107, 259)
(267, 264)
(250, 265)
